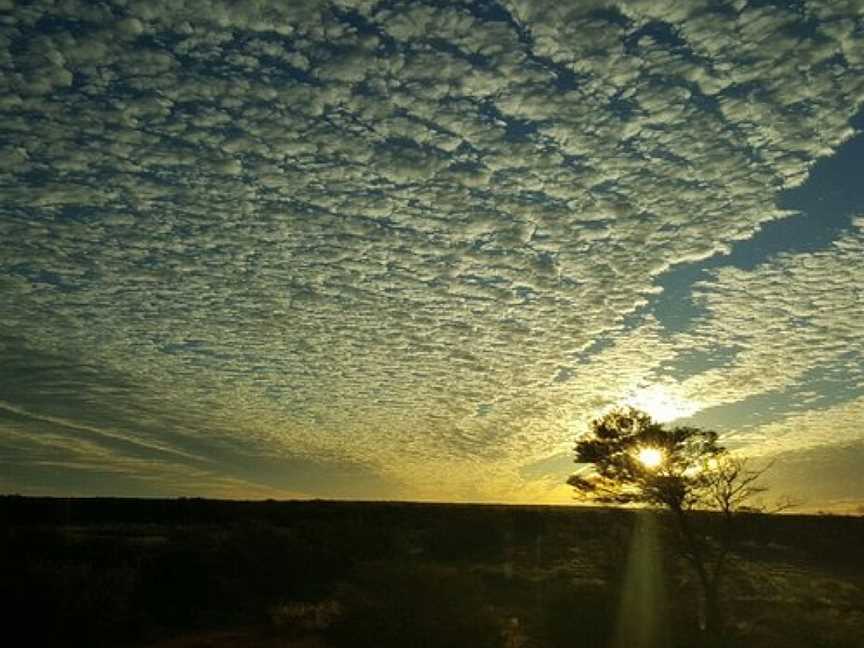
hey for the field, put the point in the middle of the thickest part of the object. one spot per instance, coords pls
(189, 572)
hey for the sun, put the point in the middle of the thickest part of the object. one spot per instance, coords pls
(650, 457)
(661, 404)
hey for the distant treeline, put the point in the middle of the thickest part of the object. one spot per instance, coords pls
(803, 530)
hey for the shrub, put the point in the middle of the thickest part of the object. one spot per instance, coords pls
(577, 613)
(422, 606)
(299, 618)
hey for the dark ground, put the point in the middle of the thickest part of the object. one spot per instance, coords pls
(190, 572)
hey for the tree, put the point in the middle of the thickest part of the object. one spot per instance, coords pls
(633, 459)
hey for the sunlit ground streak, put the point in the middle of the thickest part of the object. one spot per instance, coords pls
(642, 621)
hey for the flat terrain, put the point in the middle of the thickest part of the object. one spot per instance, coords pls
(189, 572)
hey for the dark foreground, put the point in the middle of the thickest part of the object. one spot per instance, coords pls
(113, 572)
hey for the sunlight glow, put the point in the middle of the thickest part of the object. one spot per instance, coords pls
(650, 457)
(661, 403)
(708, 466)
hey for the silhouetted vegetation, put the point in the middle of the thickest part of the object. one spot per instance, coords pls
(584, 610)
(414, 604)
(331, 574)
(634, 459)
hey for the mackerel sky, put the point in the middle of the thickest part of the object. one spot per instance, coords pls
(407, 250)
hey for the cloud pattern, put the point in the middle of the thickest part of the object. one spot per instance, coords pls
(414, 242)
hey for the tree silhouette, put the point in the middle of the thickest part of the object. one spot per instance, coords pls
(630, 458)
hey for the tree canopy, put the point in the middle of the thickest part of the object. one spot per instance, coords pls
(679, 474)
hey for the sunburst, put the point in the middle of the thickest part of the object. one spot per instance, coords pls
(661, 403)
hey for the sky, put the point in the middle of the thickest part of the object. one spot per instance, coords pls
(408, 250)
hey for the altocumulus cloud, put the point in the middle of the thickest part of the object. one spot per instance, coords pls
(412, 243)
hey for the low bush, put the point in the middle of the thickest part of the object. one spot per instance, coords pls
(416, 605)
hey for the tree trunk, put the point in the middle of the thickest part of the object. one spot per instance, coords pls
(712, 621)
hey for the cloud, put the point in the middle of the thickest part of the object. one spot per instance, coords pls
(789, 318)
(825, 478)
(333, 230)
